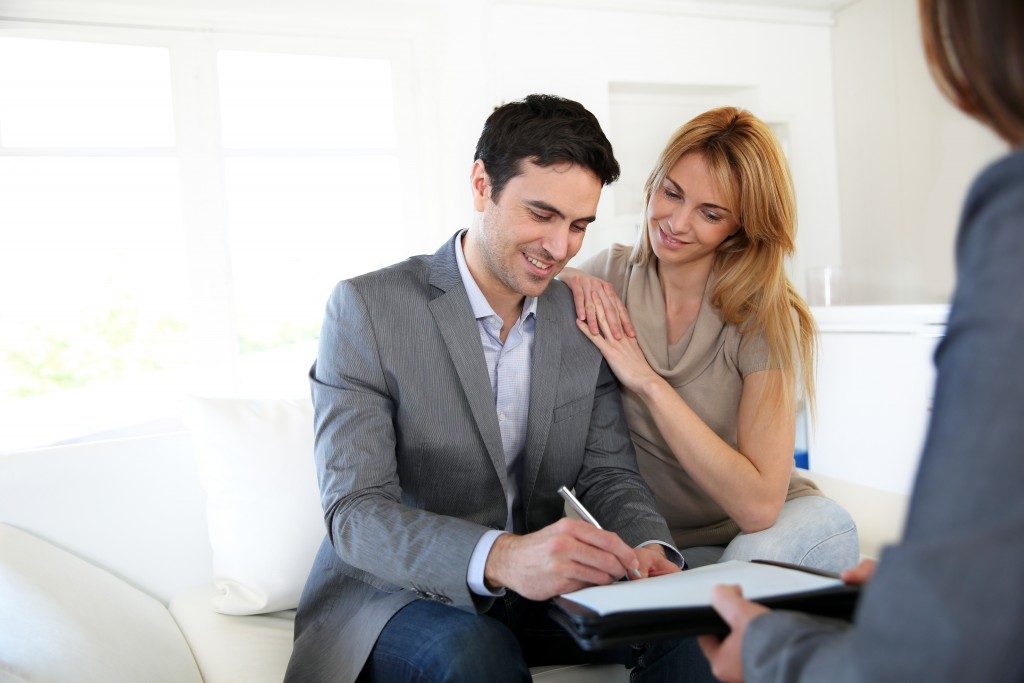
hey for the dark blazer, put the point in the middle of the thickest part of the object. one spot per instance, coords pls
(410, 460)
(946, 603)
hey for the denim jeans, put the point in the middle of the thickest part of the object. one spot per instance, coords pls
(812, 531)
(428, 641)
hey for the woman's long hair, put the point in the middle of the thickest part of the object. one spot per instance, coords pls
(751, 288)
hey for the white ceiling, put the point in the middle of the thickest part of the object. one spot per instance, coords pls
(814, 11)
(800, 11)
(825, 5)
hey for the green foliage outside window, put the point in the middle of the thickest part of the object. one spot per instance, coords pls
(121, 343)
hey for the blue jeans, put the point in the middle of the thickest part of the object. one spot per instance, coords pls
(812, 531)
(428, 641)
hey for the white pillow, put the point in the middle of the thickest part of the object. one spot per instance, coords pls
(63, 619)
(255, 459)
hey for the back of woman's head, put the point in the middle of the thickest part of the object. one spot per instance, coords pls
(975, 50)
(751, 288)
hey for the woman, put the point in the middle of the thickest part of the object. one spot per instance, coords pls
(945, 604)
(710, 373)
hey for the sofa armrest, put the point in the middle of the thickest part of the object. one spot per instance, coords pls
(63, 619)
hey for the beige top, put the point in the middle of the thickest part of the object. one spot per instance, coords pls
(706, 367)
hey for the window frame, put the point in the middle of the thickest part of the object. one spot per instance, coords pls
(197, 146)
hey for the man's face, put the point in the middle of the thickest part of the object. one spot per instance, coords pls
(535, 227)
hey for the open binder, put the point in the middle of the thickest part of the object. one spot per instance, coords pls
(679, 605)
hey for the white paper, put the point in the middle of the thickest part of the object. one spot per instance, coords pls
(692, 588)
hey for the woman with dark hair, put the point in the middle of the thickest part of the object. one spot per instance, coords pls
(945, 604)
(717, 349)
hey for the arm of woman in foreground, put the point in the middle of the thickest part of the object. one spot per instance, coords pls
(945, 603)
(750, 482)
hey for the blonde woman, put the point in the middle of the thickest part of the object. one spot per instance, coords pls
(713, 348)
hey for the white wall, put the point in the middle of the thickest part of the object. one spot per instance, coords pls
(579, 53)
(467, 56)
(873, 146)
(906, 157)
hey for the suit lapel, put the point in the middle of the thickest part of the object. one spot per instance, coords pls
(547, 357)
(454, 318)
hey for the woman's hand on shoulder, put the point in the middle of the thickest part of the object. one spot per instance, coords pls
(592, 293)
(624, 356)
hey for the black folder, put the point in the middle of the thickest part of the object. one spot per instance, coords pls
(592, 631)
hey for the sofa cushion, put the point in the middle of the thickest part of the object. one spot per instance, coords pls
(255, 460)
(879, 515)
(253, 648)
(63, 619)
(256, 648)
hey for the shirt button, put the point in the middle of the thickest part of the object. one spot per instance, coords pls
(501, 416)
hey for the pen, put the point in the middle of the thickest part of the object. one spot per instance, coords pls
(584, 513)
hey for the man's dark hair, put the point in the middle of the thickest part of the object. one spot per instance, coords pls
(546, 130)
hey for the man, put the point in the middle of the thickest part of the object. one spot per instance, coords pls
(454, 396)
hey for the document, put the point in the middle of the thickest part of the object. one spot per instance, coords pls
(692, 588)
(679, 604)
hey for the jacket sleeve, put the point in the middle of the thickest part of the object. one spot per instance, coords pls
(609, 483)
(385, 543)
(946, 603)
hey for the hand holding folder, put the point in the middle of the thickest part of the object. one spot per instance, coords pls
(679, 605)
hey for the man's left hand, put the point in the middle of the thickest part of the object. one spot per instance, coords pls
(726, 655)
(653, 561)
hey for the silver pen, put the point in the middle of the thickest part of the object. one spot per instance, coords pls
(584, 513)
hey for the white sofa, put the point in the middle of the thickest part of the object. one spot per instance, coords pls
(107, 570)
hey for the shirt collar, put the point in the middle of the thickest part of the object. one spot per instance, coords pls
(477, 300)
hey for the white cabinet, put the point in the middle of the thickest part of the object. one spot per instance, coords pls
(874, 392)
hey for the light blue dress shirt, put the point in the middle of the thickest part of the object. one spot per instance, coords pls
(508, 365)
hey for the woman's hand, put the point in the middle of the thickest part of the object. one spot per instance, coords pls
(726, 654)
(860, 574)
(592, 294)
(623, 354)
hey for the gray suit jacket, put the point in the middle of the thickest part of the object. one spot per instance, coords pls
(947, 603)
(410, 461)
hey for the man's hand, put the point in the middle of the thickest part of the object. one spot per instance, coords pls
(726, 655)
(653, 561)
(860, 574)
(563, 557)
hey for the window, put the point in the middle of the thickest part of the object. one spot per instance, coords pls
(312, 174)
(174, 210)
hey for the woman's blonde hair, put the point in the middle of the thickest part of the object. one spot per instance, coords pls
(751, 288)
